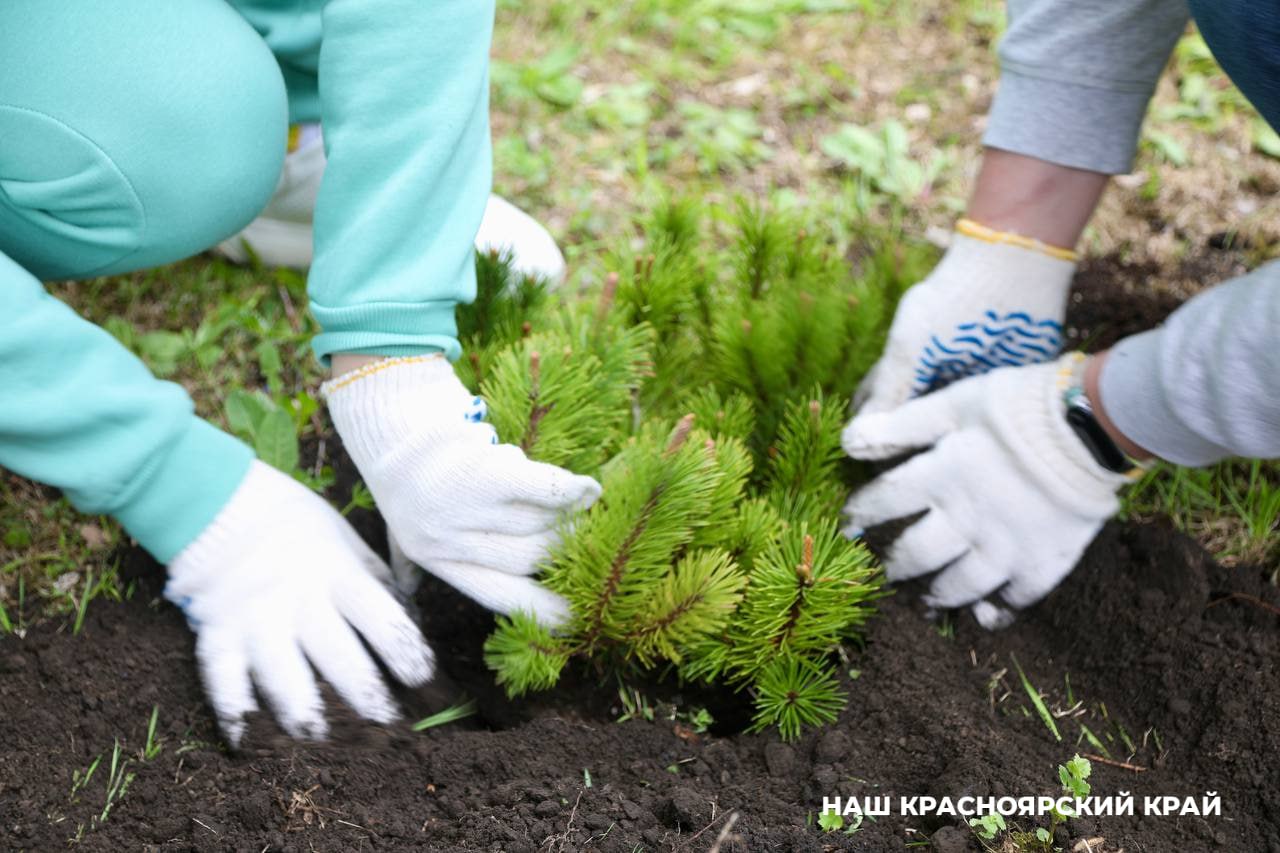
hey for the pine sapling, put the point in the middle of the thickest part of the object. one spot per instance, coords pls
(706, 391)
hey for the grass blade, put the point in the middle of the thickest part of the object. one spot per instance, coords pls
(448, 715)
(1040, 707)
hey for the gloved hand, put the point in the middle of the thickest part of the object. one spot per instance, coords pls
(279, 583)
(477, 514)
(994, 300)
(1012, 493)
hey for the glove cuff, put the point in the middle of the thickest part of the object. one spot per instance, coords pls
(407, 372)
(390, 403)
(254, 510)
(1049, 449)
(999, 269)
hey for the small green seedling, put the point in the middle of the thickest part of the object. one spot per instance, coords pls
(256, 418)
(988, 826)
(153, 746)
(361, 498)
(118, 782)
(79, 779)
(82, 606)
(634, 705)
(830, 821)
(700, 720)
(1073, 775)
(1087, 734)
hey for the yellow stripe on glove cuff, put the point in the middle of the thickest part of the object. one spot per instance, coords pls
(339, 382)
(978, 231)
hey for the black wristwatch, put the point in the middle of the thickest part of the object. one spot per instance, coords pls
(1084, 424)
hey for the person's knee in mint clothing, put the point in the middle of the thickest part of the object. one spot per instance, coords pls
(135, 140)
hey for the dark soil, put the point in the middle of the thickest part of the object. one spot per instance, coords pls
(1153, 640)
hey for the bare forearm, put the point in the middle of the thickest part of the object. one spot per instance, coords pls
(1035, 198)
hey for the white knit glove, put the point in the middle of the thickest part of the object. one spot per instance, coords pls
(477, 514)
(1013, 495)
(277, 584)
(994, 300)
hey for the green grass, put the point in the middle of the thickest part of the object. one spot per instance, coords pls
(1233, 507)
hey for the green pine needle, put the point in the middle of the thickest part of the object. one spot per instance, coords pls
(694, 601)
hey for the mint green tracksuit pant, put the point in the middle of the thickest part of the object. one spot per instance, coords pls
(137, 132)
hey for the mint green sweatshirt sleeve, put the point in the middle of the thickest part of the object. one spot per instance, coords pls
(79, 412)
(130, 136)
(403, 98)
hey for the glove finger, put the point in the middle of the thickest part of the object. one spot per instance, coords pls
(369, 560)
(386, 627)
(548, 486)
(282, 674)
(514, 555)
(992, 616)
(916, 423)
(516, 520)
(897, 493)
(502, 592)
(926, 546)
(224, 668)
(973, 576)
(884, 388)
(334, 650)
(1042, 575)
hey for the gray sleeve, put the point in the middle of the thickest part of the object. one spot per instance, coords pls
(1076, 76)
(1206, 385)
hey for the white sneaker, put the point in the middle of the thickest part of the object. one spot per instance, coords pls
(281, 235)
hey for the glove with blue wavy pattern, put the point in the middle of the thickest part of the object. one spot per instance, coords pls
(994, 300)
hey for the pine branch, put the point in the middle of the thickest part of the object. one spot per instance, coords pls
(525, 655)
(724, 416)
(792, 693)
(694, 601)
(804, 582)
(804, 590)
(655, 496)
(802, 477)
(537, 411)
